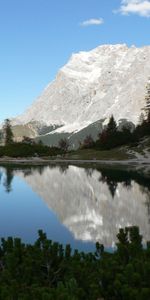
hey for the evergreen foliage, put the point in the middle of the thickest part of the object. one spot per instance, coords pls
(7, 132)
(147, 99)
(111, 137)
(63, 144)
(112, 126)
(28, 140)
(28, 150)
(47, 270)
(87, 143)
(148, 117)
(1, 136)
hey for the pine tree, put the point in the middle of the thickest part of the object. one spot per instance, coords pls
(148, 117)
(112, 126)
(1, 136)
(141, 119)
(88, 142)
(8, 134)
(64, 144)
(147, 99)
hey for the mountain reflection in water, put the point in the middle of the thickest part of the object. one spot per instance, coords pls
(93, 204)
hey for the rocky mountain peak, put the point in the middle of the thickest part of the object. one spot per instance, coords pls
(110, 79)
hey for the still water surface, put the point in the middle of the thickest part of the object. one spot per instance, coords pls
(73, 204)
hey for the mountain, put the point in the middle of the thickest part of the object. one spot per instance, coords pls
(111, 79)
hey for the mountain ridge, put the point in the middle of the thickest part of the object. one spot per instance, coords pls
(110, 79)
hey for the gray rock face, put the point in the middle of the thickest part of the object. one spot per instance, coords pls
(110, 79)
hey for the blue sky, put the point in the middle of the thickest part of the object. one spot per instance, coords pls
(37, 37)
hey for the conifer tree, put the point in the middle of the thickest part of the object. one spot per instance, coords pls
(1, 136)
(8, 134)
(88, 141)
(64, 144)
(112, 126)
(147, 99)
(141, 119)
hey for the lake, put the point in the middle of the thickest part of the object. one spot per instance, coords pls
(73, 204)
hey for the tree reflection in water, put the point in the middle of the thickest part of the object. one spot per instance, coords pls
(8, 180)
(113, 177)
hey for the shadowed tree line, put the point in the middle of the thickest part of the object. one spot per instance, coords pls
(109, 138)
(112, 136)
